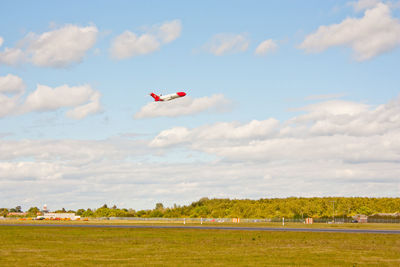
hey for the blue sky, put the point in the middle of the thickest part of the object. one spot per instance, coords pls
(283, 99)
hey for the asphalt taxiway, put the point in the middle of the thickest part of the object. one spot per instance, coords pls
(272, 229)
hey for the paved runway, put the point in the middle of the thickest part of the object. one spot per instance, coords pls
(272, 229)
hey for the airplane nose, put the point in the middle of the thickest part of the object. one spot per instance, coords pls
(181, 93)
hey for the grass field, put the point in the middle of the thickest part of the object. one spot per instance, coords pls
(39, 246)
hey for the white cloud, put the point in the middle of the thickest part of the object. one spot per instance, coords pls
(177, 135)
(11, 84)
(184, 106)
(333, 149)
(83, 99)
(11, 89)
(224, 43)
(362, 5)
(1, 41)
(221, 133)
(85, 110)
(375, 33)
(45, 98)
(12, 56)
(58, 48)
(8, 105)
(73, 151)
(170, 31)
(129, 44)
(267, 46)
(332, 130)
(61, 47)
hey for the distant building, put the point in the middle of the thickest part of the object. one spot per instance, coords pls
(361, 218)
(54, 216)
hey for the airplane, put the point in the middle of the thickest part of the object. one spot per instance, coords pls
(167, 97)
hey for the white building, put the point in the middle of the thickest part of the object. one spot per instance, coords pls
(53, 216)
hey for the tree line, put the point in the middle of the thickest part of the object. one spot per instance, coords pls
(292, 207)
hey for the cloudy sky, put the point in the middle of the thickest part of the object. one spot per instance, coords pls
(284, 98)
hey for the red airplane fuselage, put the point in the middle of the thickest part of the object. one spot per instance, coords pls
(167, 97)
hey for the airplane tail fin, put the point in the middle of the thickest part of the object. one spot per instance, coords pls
(156, 97)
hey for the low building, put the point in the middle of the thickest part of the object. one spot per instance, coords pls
(59, 216)
(361, 218)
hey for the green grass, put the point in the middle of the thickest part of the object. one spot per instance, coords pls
(184, 247)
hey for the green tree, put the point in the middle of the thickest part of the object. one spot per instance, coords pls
(102, 212)
(61, 211)
(3, 212)
(156, 214)
(88, 213)
(364, 210)
(80, 212)
(16, 209)
(159, 206)
(292, 207)
(33, 211)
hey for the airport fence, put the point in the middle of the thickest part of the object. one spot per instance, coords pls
(252, 220)
(237, 220)
(196, 220)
